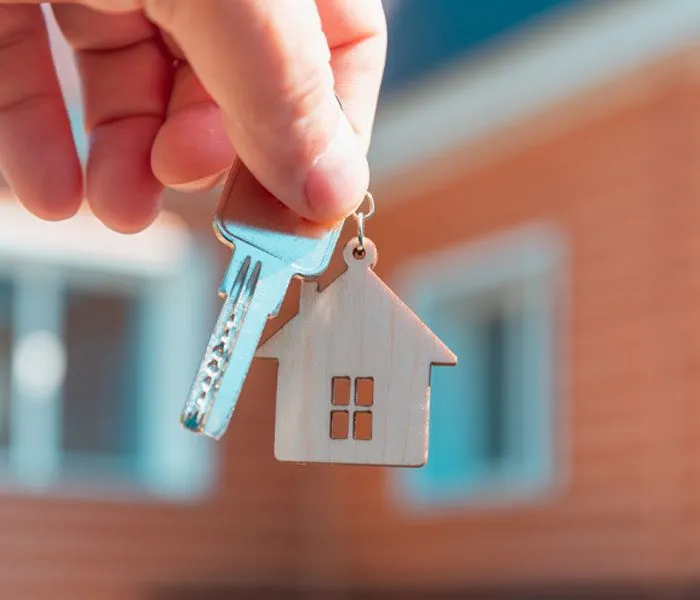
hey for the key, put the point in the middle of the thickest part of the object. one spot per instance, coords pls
(271, 245)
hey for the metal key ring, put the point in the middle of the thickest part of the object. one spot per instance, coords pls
(365, 215)
(361, 217)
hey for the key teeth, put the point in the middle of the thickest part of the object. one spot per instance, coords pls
(202, 415)
(192, 419)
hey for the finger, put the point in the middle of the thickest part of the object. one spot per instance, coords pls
(356, 34)
(37, 152)
(126, 82)
(192, 150)
(102, 5)
(267, 65)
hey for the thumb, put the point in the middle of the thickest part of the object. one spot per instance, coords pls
(267, 65)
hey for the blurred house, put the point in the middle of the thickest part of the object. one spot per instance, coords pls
(535, 169)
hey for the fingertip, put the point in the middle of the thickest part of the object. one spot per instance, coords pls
(132, 217)
(201, 185)
(122, 190)
(338, 180)
(59, 209)
(39, 159)
(52, 190)
(55, 193)
(125, 222)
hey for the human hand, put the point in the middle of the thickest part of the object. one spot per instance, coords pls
(174, 89)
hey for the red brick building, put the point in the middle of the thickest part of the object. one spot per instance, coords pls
(538, 206)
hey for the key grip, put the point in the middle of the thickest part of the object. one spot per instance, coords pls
(248, 214)
(246, 202)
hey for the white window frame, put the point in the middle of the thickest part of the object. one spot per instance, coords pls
(172, 277)
(533, 256)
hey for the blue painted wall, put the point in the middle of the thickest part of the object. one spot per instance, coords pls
(426, 34)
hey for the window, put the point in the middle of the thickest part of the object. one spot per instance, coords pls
(100, 391)
(363, 399)
(496, 305)
(100, 336)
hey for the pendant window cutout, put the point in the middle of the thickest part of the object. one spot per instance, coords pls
(340, 424)
(340, 391)
(361, 419)
(362, 425)
(353, 379)
(364, 391)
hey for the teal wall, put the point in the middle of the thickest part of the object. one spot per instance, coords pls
(424, 35)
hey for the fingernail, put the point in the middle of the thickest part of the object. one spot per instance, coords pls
(116, 5)
(205, 183)
(337, 182)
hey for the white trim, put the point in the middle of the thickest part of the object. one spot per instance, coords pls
(546, 63)
(517, 251)
(84, 242)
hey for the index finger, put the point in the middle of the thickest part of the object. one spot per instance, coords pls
(267, 65)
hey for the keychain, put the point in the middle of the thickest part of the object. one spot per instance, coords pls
(354, 369)
(354, 364)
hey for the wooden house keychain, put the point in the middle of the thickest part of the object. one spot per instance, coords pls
(354, 364)
(354, 370)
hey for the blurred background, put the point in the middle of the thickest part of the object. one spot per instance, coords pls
(535, 165)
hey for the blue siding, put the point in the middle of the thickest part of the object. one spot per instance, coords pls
(424, 35)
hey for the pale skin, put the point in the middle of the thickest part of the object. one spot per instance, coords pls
(175, 89)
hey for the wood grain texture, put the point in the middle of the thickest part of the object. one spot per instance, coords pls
(356, 328)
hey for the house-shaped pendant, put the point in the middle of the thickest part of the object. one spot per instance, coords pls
(354, 372)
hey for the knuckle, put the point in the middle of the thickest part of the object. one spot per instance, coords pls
(298, 78)
(303, 91)
(302, 113)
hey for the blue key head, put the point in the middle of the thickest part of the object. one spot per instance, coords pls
(248, 213)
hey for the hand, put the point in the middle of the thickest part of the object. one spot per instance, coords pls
(173, 89)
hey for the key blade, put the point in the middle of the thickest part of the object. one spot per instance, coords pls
(256, 291)
(271, 245)
(248, 212)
